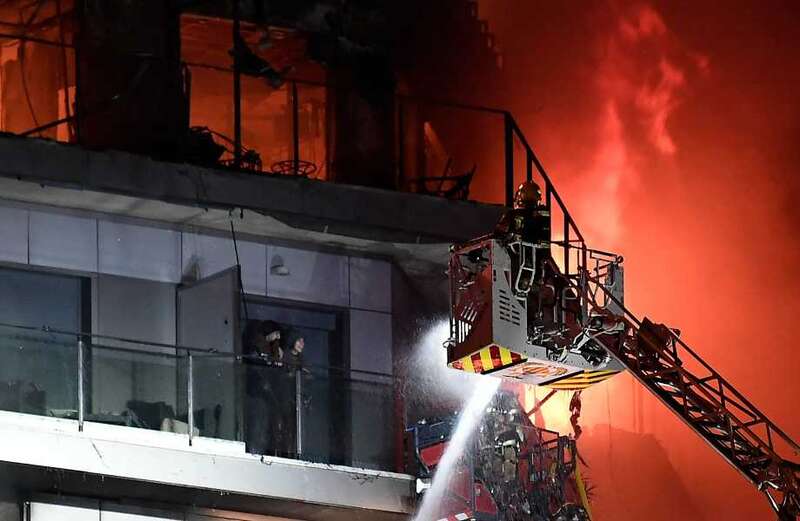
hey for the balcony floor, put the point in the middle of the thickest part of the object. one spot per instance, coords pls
(121, 462)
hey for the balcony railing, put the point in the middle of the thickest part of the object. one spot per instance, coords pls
(311, 413)
(434, 147)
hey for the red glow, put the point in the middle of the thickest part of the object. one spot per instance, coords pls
(672, 135)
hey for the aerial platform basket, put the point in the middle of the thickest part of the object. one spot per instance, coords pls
(489, 323)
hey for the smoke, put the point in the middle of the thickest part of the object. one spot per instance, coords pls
(645, 22)
(654, 84)
(658, 102)
(610, 171)
(641, 76)
(645, 66)
(672, 134)
(438, 389)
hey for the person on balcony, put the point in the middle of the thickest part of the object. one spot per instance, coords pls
(261, 347)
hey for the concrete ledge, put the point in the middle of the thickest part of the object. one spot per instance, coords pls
(313, 205)
(208, 465)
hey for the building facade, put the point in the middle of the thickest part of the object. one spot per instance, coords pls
(181, 181)
(122, 310)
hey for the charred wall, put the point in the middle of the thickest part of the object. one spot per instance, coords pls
(130, 89)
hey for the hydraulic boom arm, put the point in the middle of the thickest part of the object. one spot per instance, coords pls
(712, 408)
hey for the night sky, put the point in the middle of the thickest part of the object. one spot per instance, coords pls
(672, 130)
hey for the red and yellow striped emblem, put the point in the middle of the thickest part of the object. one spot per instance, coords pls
(581, 381)
(487, 360)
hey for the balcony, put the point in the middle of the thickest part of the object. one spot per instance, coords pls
(166, 422)
(297, 127)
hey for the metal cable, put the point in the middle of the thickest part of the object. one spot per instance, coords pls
(21, 54)
(239, 270)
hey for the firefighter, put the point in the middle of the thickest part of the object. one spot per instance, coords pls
(528, 220)
(525, 229)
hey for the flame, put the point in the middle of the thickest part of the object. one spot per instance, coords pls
(671, 135)
(658, 102)
(554, 414)
(645, 22)
(638, 97)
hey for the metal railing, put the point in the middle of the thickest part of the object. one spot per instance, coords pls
(469, 147)
(309, 412)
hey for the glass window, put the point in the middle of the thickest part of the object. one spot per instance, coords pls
(128, 382)
(38, 369)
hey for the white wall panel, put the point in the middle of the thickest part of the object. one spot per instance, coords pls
(204, 255)
(233, 516)
(370, 341)
(14, 235)
(370, 284)
(209, 465)
(137, 514)
(308, 276)
(138, 309)
(63, 241)
(371, 415)
(139, 251)
(51, 512)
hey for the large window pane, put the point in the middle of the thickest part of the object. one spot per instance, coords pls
(134, 387)
(38, 299)
(39, 369)
(216, 408)
(373, 418)
(38, 372)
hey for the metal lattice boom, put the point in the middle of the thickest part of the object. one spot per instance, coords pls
(712, 407)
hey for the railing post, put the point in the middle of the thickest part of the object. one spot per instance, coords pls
(400, 418)
(529, 165)
(237, 89)
(190, 397)
(566, 243)
(298, 384)
(583, 281)
(402, 176)
(509, 155)
(79, 21)
(81, 399)
(295, 129)
(548, 197)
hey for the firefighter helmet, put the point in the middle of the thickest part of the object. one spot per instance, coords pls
(528, 195)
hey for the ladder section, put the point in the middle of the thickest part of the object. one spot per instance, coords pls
(711, 407)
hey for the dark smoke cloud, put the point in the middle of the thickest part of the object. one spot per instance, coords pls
(672, 130)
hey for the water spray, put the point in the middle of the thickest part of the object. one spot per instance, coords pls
(484, 391)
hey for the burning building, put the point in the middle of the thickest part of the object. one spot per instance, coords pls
(224, 228)
(221, 224)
